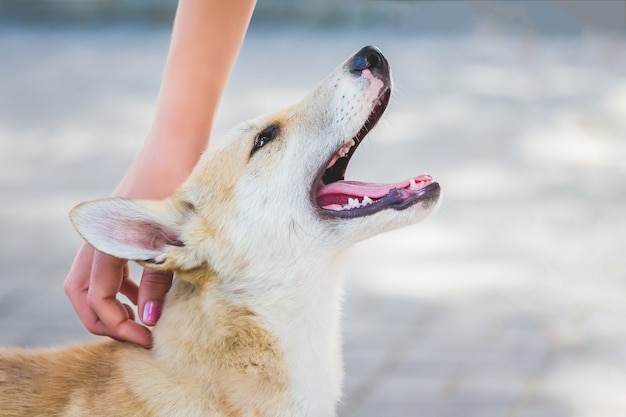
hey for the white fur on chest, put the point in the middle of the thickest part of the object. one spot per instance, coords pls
(305, 314)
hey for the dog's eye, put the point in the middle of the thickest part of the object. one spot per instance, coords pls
(265, 137)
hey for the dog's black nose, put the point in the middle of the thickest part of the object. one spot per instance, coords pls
(369, 58)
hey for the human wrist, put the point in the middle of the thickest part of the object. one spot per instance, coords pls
(155, 179)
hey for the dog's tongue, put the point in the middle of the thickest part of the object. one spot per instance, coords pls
(338, 193)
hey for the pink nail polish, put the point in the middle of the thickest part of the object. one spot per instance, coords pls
(151, 312)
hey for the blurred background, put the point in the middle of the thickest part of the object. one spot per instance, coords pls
(509, 302)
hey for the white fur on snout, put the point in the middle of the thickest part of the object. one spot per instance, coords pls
(353, 101)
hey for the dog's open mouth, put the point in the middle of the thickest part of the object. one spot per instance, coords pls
(341, 198)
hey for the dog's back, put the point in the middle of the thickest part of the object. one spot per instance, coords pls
(82, 380)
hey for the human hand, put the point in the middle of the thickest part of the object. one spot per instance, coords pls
(92, 286)
(206, 39)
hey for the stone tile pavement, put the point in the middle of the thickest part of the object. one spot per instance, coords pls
(510, 302)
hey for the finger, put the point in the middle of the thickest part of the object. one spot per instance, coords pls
(130, 311)
(76, 286)
(129, 288)
(152, 290)
(107, 275)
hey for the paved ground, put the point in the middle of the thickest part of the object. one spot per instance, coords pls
(510, 302)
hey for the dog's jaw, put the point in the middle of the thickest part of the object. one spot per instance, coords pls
(337, 198)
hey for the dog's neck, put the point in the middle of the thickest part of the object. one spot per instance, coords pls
(307, 322)
(298, 314)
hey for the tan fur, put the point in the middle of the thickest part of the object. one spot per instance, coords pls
(52, 383)
(241, 361)
(250, 327)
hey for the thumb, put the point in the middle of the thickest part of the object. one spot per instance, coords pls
(152, 289)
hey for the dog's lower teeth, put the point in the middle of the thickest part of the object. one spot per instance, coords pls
(355, 203)
(413, 185)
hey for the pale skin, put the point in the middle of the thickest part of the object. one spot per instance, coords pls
(206, 39)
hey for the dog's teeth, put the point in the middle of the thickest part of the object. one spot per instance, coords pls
(352, 203)
(347, 148)
(413, 186)
(343, 152)
(355, 203)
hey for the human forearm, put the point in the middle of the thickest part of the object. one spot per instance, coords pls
(206, 39)
(205, 42)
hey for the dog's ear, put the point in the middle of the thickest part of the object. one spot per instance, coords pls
(138, 230)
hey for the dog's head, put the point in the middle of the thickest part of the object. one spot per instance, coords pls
(272, 189)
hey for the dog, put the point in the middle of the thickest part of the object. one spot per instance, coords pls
(255, 236)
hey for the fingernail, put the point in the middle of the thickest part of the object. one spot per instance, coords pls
(151, 312)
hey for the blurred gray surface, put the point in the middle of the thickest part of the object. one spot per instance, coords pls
(424, 16)
(511, 301)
